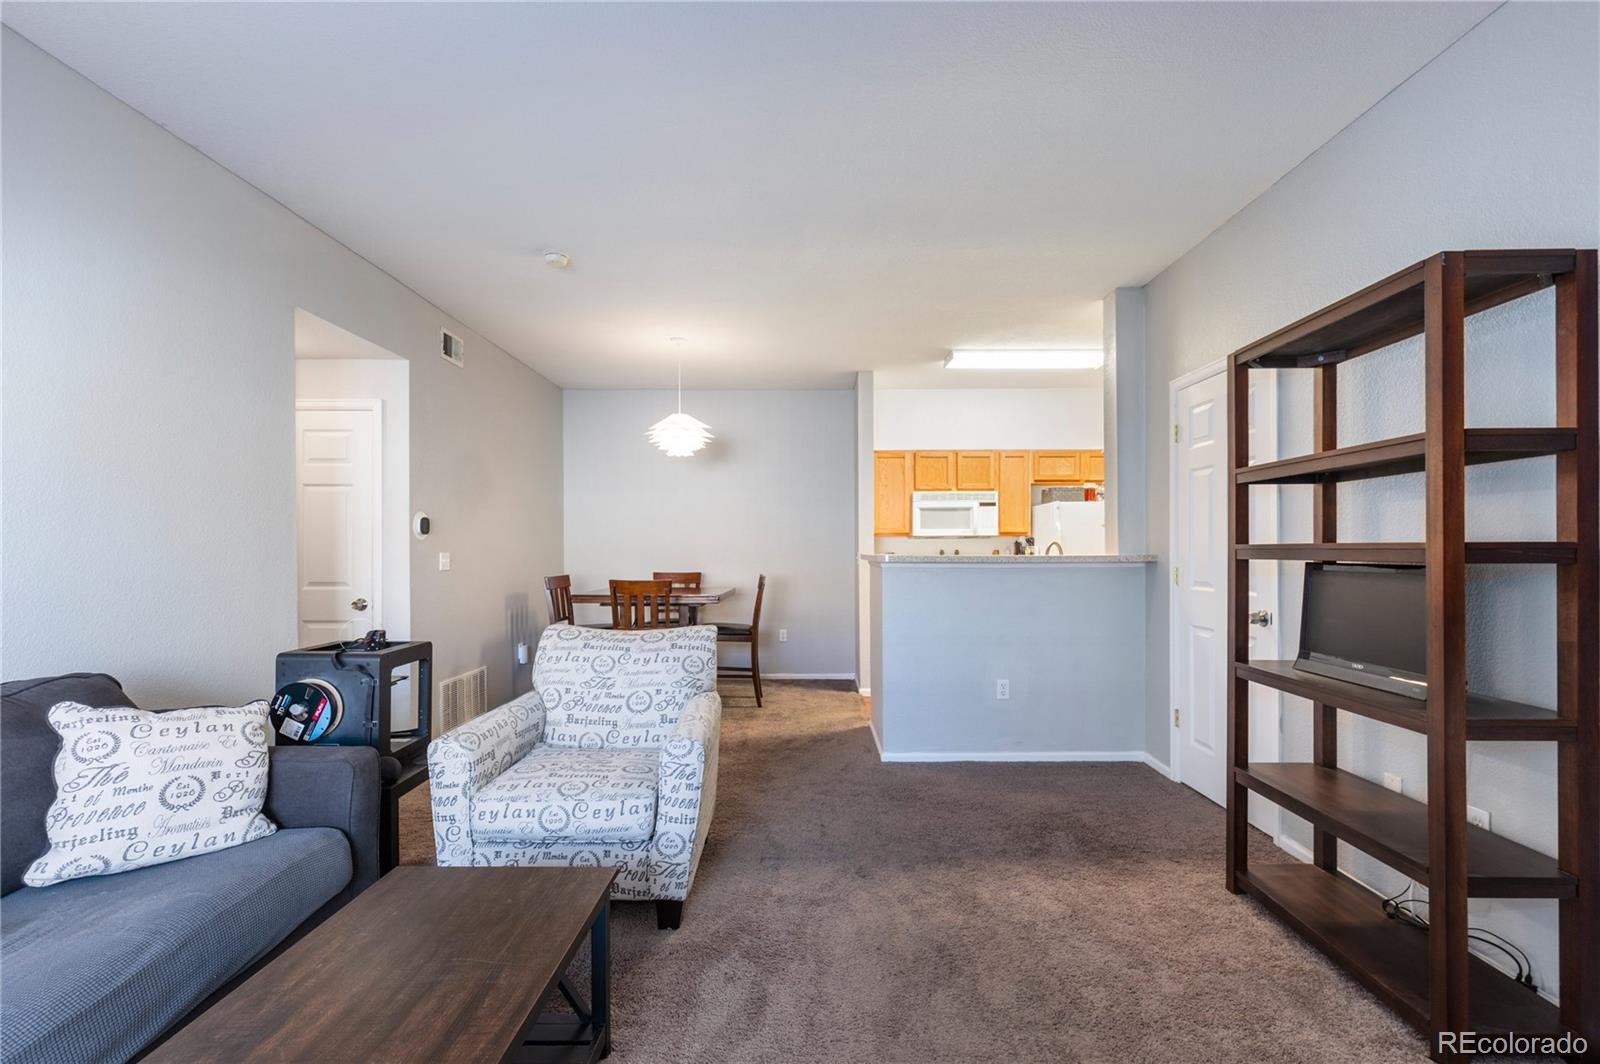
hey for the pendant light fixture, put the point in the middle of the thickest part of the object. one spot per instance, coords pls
(679, 434)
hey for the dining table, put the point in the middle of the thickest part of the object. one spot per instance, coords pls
(689, 599)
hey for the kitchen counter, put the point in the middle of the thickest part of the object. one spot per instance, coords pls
(1007, 559)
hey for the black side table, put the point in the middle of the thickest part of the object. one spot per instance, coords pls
(398, 778)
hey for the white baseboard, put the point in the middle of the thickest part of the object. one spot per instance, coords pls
(1160, 766)
(864, 692)
(1018, 755)
(807, 676)
(872, 726)
(1293, 848)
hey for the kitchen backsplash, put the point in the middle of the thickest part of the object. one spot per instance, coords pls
(933, 545)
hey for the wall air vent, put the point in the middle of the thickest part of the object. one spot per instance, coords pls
(463, 697)
(452, 348)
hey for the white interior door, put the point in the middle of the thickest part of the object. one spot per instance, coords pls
(337, 499)
(1199, 555)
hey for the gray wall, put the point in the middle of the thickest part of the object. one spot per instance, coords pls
(148, 511)
(1492, 145)
(774, 493)
(1069, 637)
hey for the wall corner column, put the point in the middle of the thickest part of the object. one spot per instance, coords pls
(1124, 339)
(864, 540)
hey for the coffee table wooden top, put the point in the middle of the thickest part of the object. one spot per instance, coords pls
(428, 964)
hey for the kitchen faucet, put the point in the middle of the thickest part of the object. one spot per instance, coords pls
(1057, 545)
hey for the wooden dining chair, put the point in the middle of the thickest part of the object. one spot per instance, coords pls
(560, 590)
(682, 582)
(641, 604)
(746, 633)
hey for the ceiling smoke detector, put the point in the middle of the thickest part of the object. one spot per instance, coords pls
(558, 260)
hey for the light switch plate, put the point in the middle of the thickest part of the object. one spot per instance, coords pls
(444, 561)
(783, 635)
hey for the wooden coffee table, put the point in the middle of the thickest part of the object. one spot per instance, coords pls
(428, 964)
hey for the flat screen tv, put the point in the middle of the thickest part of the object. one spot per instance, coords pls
(1366, 624)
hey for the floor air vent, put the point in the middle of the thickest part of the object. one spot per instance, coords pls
(463, 697)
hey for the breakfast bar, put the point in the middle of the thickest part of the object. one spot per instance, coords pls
(1008, 657)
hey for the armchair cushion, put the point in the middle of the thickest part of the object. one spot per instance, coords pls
(557, 792)
(621, 689)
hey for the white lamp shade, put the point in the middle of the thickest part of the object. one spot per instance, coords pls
(679, 434)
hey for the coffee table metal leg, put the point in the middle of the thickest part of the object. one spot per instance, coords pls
(600, 976)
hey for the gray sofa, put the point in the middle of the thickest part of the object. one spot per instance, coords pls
(98, 969)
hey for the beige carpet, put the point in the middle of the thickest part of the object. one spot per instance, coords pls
(849, 910)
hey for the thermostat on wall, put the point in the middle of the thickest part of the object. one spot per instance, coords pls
(421, 525)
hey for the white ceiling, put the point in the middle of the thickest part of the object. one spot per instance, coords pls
(803, 190)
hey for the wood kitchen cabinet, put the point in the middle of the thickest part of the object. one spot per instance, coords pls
(891, 493)
(933, 471)
(977, 470)
(1015, 477)
(1058, 467)
(1094, 467)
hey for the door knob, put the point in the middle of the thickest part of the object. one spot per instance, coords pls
(1261, 617)
(359, 605)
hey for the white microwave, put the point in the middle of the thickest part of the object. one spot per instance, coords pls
(955, 513)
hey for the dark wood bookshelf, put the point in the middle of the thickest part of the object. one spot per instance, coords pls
(1405, 454)
(1394, 829)
(1394, 309)
(1479, 553)
(1488, 719)
(1347, 923)
(1429, 976)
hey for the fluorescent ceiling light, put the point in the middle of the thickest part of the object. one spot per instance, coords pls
(1005, 358)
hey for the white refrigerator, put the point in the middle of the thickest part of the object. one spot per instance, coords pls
(1080, 527)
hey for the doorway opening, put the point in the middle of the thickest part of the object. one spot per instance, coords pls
(352, 462)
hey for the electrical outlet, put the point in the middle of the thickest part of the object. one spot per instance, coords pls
(1002, 689)
(1478, 818)
(783, 635)
(444, 561)
(1391, 781)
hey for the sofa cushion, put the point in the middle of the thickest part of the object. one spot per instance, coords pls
(565, 793)
(28, 748)
(611, 689)
(96, 968)
(135, 788)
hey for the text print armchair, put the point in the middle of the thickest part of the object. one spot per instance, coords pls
(610, 761)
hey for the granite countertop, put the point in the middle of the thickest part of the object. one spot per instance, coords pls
(1006, 559)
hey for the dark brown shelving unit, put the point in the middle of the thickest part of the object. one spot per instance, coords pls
(1429, 977)
(1409, 553)
(1394, 829)
(1405, 454)
(1389, 958)
(1487, 718)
